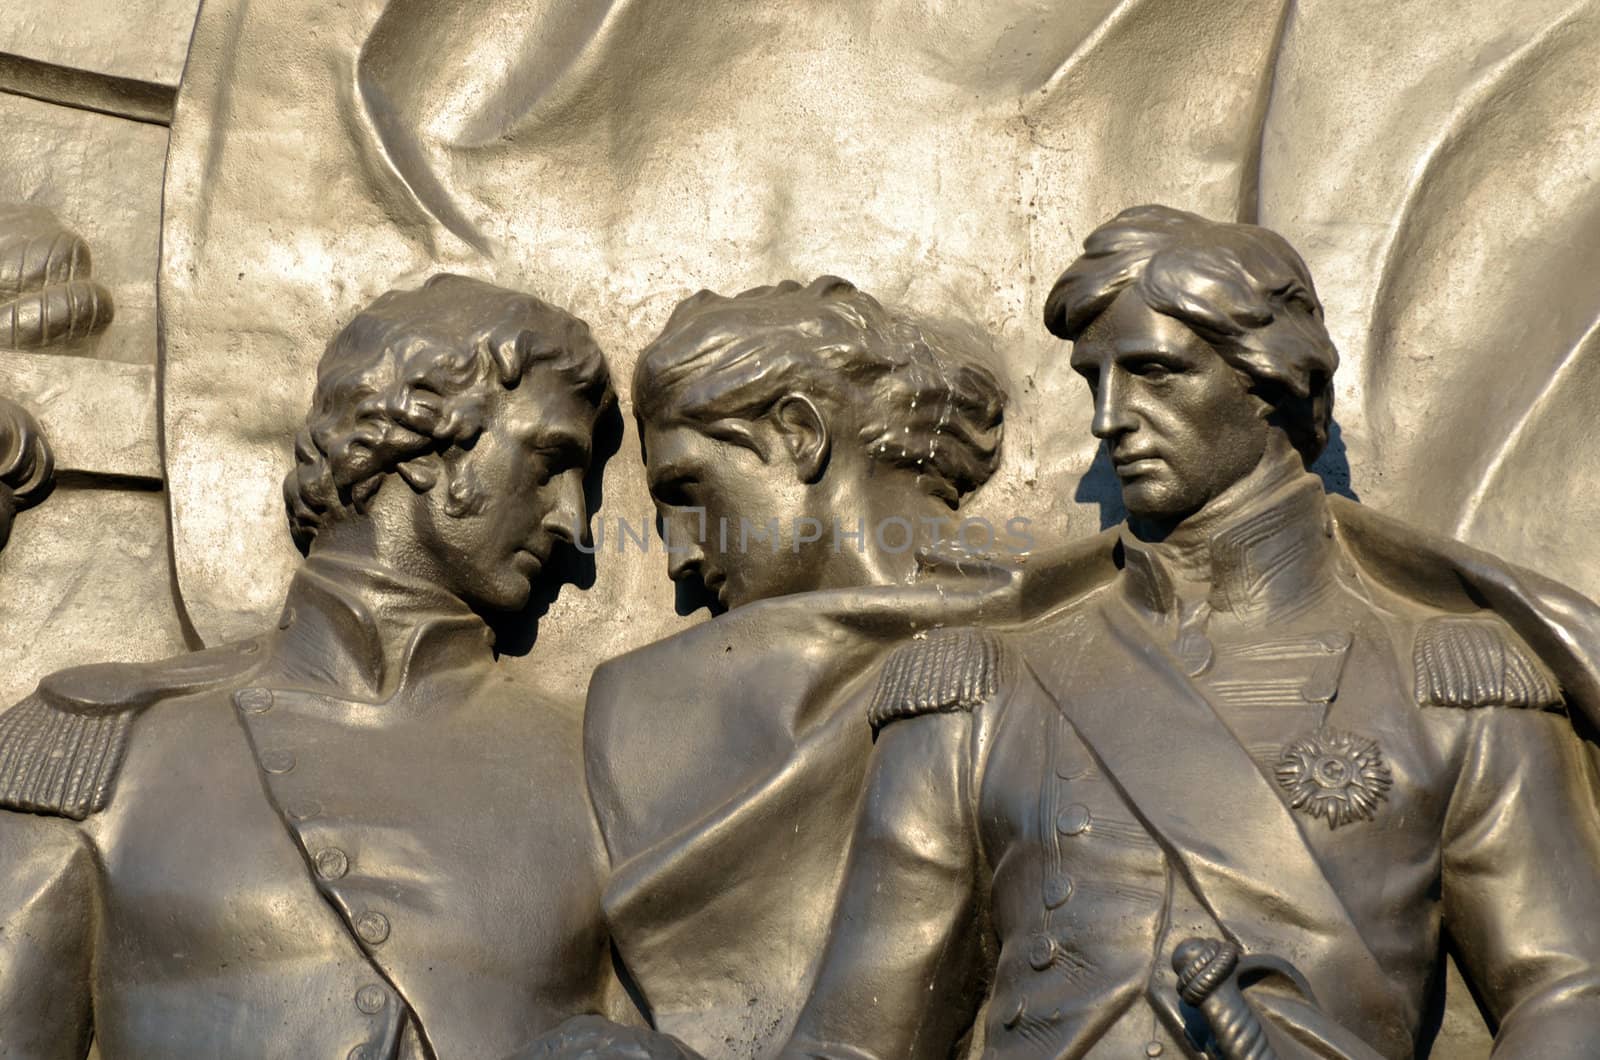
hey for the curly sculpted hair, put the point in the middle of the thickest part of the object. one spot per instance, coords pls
(415, 373)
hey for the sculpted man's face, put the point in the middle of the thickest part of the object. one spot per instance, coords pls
(1179, 422)
(521, 484)
(689, 469)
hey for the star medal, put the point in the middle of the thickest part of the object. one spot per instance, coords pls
(1338, 776)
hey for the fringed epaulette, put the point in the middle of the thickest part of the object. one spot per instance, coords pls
(946, 670)
(1463, 661)
(60, 748)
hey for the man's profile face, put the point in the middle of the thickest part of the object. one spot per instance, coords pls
(523, 478)
(689, 469)
(1179, 422)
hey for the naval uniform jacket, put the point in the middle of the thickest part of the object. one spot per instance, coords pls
(351, 838)
(1270, 745)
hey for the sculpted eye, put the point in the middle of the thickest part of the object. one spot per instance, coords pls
(677, 493)
(1152, 369)
(555, 459)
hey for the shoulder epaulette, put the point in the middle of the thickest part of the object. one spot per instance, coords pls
(60, 748)
(1471, 661)
(944, 670)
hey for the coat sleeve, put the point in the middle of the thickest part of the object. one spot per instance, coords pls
(48, 912)
(901, 975)
(1521, 881)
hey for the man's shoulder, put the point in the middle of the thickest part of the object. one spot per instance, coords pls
(1477, 659)
(1480, 632)
(61, 748)
(939, 671)
(960, 667)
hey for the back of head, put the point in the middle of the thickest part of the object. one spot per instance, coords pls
(919, 402)
(415, 372)
(1240, 287)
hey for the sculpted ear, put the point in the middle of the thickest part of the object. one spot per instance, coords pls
(421, 473)
(806, 434)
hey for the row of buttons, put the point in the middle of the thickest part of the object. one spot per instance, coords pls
(330, 863)
(370, 999)
(1074, 820)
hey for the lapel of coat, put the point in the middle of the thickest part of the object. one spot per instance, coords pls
(1205, 800)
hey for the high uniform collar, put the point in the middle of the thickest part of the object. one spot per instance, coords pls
(370, 631)
(1261, 549)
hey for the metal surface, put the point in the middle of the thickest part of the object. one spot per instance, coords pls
(133, 40)
(100, 177)
(958, 146)
(618, 156)
(350, 835)
(1434, 161)
(724, 762)
(1060, 814)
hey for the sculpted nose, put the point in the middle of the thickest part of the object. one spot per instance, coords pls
(1111, 415)
(568, 517)
(681, 564)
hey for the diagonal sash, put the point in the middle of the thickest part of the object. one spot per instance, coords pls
(1205, 800)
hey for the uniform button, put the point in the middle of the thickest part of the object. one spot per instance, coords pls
(305, 809)
(361, 1052)
(372, 927)
(1017, 1012)
(1057, 889)
(371, 999)
(332, 863)
(1154, 1049)
(253, 700)
(1042, 952)
(277, 761)
(1073, 819)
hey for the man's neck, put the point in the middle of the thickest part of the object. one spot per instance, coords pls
(1255, 548)
(358, 624)
(898, 520)
(1278, 466)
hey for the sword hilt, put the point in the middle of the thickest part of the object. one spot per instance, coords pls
(1205, 970)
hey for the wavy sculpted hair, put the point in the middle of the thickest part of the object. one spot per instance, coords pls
(1240, 287)
(923, 406)
(414, 373)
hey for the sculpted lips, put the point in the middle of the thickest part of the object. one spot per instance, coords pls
(1132, 465)
(533, 555)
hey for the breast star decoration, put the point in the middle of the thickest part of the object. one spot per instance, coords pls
(1338, 776)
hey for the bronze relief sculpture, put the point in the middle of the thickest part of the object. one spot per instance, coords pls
(725, 762)
(1258, 773)
(350, 836)
(1250, 760)
(27, 466)
(48, 295)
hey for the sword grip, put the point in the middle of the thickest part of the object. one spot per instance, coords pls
(1205, 970)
